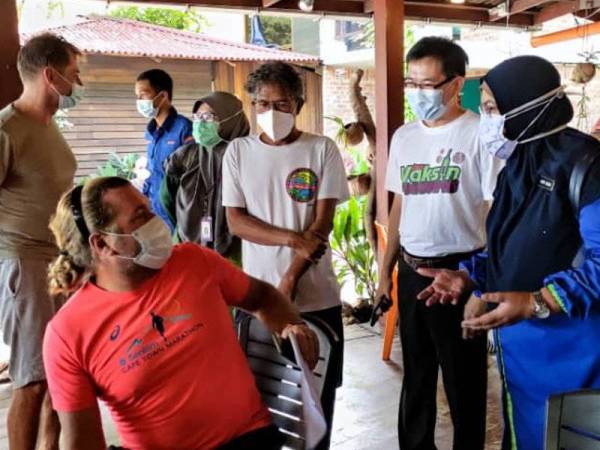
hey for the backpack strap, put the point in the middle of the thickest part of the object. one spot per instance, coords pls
(580, 171)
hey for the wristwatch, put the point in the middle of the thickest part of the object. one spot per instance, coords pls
(540, 308)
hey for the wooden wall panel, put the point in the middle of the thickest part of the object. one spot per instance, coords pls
(311, 117)
(10, 84)
(223, 76)
(107, 120)
(241, 72)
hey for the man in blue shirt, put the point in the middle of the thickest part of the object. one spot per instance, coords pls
(166, 131)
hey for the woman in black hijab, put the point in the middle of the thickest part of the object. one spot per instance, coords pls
(191, 190)
(546, 206)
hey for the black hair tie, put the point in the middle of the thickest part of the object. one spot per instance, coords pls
(63, 253)
(78, 213)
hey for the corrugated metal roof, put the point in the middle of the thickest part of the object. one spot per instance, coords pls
(124, 37)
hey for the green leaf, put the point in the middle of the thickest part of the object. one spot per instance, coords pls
(340, 221)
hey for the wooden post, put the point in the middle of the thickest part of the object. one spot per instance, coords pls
(10, 84)
(389, 87)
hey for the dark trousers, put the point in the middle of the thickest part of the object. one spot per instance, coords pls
(267, 438)
(432, 338)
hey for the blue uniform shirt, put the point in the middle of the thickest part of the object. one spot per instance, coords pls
(162, 141)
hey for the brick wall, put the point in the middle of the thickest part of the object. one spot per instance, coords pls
(336, 98)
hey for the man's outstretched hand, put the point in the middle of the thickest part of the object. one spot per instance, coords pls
(448, 286)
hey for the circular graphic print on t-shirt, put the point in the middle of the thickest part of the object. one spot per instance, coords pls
(302, 184)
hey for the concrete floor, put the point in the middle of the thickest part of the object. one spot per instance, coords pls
(367, 404)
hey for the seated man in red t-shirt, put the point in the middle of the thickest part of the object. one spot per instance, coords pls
(148, 331)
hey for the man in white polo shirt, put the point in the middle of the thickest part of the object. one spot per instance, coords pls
(281, 189)
(442, 183)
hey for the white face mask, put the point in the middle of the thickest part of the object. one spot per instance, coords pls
(72, 100)
(491, 126)
(427, 104)
(146, 107)
(276, 124)
(155, 243)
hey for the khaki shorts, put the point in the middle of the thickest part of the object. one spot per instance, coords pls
(25, 310)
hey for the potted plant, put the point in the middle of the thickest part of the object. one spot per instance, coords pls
(354, 261)
(582, 74)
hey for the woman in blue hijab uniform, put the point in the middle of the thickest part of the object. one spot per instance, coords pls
(543, 301)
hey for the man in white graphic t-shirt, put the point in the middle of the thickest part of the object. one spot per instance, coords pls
(280, 189)
(442, 184)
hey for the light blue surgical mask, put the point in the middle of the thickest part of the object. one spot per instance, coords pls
(146, 107)
(427, 104)
(491, 126)
(71, 100)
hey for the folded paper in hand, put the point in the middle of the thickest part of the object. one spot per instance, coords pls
(314, 419)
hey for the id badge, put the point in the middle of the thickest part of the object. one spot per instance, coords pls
(206, 234)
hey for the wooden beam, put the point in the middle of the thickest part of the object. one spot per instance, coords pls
(234, 4)
(389, 88)
(520, 6)
(461, 13)
(10, 84)
(566, 35)
(344, 7)
(324, 6)
(556, 10)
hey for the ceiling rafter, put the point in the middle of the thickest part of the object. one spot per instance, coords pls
(556, 10)
(522, 12)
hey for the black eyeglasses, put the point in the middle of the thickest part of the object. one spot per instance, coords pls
(278, 105)
(409, 84)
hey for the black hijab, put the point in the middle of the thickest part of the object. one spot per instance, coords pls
(519, 80)
(532, 229)
(226, 106)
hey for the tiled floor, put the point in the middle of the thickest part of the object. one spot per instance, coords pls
(367, 404)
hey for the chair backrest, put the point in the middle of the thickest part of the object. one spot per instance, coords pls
(279, 380)
(573, 421)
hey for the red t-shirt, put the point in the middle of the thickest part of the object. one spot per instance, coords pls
(164, 358)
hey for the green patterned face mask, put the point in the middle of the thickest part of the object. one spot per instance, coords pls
(206, 133)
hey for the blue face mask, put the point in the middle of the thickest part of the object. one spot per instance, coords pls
(71, 100)
(146, 107)
(427, 104)
(491, 126)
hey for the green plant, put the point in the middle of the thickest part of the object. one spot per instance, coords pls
(276, 30)
(582, 111)
(116, 166)
(360, 165)
(340, 135)
(119, 166)
(55, 7)
(354, 261)
(167, 17)
(62, 119)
